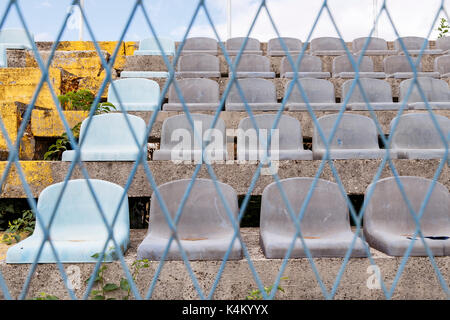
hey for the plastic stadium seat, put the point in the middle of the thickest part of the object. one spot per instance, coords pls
(253, 66)
(413, 46)
(233, 46)
(149, 47)
(342, 68)
(327, 46)
(398, 67)
(436, 93)
(310, 67)
(275, 49)
(200, 45)
(260, 94)
(12, 39)
(135, 94)
(198, 65)
(378, 93)
(442, 65)
(376, 47)
(78, 230)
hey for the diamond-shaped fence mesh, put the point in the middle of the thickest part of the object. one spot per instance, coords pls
(173, 218)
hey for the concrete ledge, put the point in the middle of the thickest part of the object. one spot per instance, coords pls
(356, 175)
(48, 124)
(418, 280)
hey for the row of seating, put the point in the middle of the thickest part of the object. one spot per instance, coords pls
(201, 65)
(200, 94)
(356, 137)
(205, 232)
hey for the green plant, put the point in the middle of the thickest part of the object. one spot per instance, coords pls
(18, 226)
(103, 288)
(79, 100)
(443, 28)
(257, 295)
(6, 211)
(45, 296)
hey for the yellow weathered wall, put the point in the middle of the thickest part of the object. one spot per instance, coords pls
(49, 124)
(10, 118)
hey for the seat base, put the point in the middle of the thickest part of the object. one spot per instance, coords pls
(314, 106)
(191, 106)
(353, 154)
(271, 106)
(144, 74)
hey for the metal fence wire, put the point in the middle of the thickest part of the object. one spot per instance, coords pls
(13, 157)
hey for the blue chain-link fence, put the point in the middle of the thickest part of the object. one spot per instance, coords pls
(13, 158)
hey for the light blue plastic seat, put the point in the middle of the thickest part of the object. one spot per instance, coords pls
(109, 139)
(78, 230)
(135, 94)
(149, 47)
(12, 39)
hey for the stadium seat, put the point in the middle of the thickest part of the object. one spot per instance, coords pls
(135, 94)
(199, 94)
(233, 46)
(436, 93)
(310, 67)
(286, 142)
(376, 47)
(327, 46)
(252, 66)
(378, 93)
(109, 139)
(416, 136)
(178, 142)
(442, 65)
(260, 94)
(356, 137)
(398, 67)
(343, 68)
(149, 47)
(198, 65)
(389, 225)
(204, 228)
(78, 230)
(275, 49)
(320, 94)
(325, 225)
(12, 39)
(200, 45)
(413, 46)
(443, 44)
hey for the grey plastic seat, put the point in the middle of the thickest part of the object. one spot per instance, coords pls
(260, 94)
(378, 93)
(320, 94)
(253, 66)
(442, 65)
(443, 44)
(204, 229)
(416, 136)
(342, 68)
(200, 45)
(275, 49)
(12, 39)
(436, 93)
(149, 47)
(199, 94)
(78, 230)
(310, 67)
(109, 139)
(355, 138)
(198, 65)
(179, 143)
(233, 46)
(376, 47)
(286, 142)
(325, 224)
(398, 67)
(413, 46)
(327, 46)
(389, 225)
(136, 94)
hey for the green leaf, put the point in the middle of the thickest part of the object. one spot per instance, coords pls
(98, 297)
(110, 287)
(124, 285)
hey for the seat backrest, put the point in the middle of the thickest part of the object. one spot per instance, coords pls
(411, 43)
(77, 217)
(435, 90)
(252, 63)
(343, 64)
(443, 43)
(200, 43)
(15, 37)
(134, 90)
(417, 131)
(204, 216)
(387, 210)
(167, 45)
(236, 43)
(289, 132)
(326, 44)
(307, 64)
(326, 213)
(374, 44)
(178, 128)
(393, 64)
(198, 62)
(255, 91)
(376, 90)
(442, 64)
(110, 131)
(354, 132)
(317, 91)
(195, 90)
(292, 44)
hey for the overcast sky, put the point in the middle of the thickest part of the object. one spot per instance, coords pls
(293, 18)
